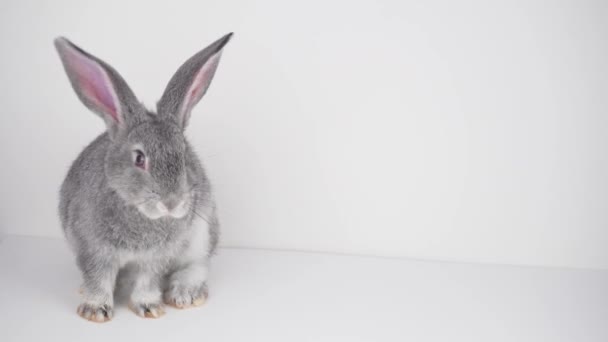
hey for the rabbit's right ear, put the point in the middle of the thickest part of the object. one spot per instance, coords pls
(98, 86)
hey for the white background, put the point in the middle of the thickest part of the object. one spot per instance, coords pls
(457, 130)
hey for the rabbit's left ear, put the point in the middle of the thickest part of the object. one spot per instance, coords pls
(190, 82)
(98, 86)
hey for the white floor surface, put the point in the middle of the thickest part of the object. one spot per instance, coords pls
(260, 295)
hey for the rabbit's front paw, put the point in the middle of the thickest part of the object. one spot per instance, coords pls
(95, 312)
(183, 297)
(147, 310)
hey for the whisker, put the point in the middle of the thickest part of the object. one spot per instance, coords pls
(192, 187)
(144, 201)
(199, 215)
(151, 192)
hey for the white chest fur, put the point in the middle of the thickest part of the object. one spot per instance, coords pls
(197, 248)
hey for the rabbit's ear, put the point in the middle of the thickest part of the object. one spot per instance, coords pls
(190, 82)
(98, 85)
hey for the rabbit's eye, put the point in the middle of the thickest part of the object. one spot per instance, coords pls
(140, 159)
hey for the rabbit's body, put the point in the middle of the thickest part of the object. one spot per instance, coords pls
(136, 201)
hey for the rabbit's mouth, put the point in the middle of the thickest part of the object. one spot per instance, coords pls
(158, 209)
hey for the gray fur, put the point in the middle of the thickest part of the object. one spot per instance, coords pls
(134, 112)
(172, 100)
(108, 206)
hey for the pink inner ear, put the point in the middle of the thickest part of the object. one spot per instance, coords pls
(201, 83)
(196, 89)
(94, 84)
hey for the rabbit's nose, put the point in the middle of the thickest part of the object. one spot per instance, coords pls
(172, 203)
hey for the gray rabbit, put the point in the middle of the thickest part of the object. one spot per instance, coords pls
(137, 198)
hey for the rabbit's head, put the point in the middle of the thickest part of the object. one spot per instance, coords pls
(147, 161)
